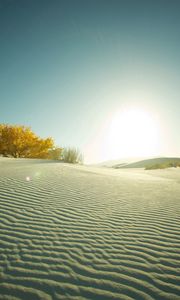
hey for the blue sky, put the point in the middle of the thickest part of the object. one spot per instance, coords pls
(66, 66)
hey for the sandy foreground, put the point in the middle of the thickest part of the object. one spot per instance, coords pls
(78, 232)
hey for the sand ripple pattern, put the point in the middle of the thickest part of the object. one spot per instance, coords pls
(71, 234)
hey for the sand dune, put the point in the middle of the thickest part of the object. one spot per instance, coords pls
(74, 232)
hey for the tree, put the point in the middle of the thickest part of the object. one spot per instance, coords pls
(72, 155)
(20, 141)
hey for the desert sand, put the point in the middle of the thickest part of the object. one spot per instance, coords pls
(79, 232)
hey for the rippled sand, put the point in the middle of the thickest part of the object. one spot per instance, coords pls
(76, 232)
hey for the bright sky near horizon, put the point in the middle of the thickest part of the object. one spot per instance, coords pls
(74, 69)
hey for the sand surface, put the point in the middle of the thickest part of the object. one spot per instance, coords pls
(77, 232)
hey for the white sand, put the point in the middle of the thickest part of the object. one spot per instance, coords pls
(77, 232)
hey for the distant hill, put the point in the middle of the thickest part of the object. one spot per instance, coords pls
(118, 162)
(153, 163)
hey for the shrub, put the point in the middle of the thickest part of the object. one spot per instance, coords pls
(168, 164)
(72, 155)
(55, 153)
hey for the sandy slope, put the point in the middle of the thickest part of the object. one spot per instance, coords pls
(88, 233)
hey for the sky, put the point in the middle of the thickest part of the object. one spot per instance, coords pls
(67, 67)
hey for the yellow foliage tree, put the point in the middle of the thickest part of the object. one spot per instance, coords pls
(20, 141)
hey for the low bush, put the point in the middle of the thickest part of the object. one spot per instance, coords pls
(168, 164)
(72, 155)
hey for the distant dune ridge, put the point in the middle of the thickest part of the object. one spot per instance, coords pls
(154, 163)
(78, 232)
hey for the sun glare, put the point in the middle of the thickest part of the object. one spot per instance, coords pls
(132, 133)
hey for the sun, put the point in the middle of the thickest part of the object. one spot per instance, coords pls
(132, 133)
